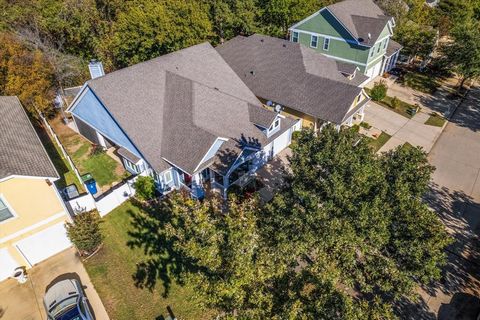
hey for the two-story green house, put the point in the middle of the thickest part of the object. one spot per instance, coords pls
(352, 31)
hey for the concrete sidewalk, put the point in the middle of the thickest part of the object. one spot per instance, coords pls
(402, 129)
(25, 301)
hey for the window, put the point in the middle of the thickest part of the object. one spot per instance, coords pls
(130, 166)
(295, 36)
(167, 177)
(313, 41)
(385, 43)
(274, 125)
(326, 44)
(379, 47)
(372, 51)
(5, 212)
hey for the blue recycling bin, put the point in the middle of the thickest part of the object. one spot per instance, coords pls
(91, 186)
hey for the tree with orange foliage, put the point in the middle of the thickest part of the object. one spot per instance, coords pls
(25, 72)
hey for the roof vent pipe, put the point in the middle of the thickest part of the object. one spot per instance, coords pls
(96, 69)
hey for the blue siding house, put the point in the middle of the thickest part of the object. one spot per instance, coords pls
(185, 118)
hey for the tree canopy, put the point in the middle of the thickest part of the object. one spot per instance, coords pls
(346, 238)
(462, 54)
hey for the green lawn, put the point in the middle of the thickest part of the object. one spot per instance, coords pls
(380, 141)
(112, 270)
(101, 166)
(401, 108)
(435, 120)
(104, 169)
(419, 81)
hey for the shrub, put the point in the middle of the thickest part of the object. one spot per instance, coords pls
(85, 231)
(144, 188)
(395, 103)
(96, 150)
(379, 91)
(365, 125)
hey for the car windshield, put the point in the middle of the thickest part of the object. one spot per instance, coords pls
(66, 309)
(71, 313)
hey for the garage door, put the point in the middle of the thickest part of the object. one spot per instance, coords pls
(375, 70)
(281, 142)
(7, 264)
(44, 244)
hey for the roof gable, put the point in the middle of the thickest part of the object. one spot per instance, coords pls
(361, 18)
(175, 106)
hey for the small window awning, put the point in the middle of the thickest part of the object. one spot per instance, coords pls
(128, 155)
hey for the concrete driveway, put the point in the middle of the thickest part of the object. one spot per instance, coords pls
(24, 301)
(402, 129)
(455, 196)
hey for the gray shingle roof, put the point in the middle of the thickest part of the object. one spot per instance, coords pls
(292, 75)
(175, 106)
(21, 152)
(393, 47)
(360, 17)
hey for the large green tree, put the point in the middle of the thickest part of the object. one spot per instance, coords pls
(462, 54)
(148, 29)
(347, 237)
(359, 217)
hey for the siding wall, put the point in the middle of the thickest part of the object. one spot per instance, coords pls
(36, 206)
(91, 111)
(325, 24)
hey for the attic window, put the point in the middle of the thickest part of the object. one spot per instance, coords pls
(274, 126)
(5, 212)
(385, 43)
(326, 44)
(295, 36)
(372, 51)
(313, 41)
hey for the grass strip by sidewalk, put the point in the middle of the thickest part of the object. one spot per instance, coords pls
(401, 107)
(378, 143)
(435, 120)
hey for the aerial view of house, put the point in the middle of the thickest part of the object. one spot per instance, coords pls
(185, 118)
(230, 159)
(32, 213)
(297, 81)
(357, 32)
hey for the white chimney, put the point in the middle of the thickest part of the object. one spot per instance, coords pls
(96, 69)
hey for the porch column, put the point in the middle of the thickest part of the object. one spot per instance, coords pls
(361, 113)
(350, 121)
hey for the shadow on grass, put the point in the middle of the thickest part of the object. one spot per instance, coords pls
(59, 163)
(162, 260)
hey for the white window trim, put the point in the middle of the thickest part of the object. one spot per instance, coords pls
(167, 181)
(326, 43)
(293, 36)
(311, 41)
(10, 209)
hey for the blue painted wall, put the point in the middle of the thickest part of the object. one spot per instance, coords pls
(89, 109)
